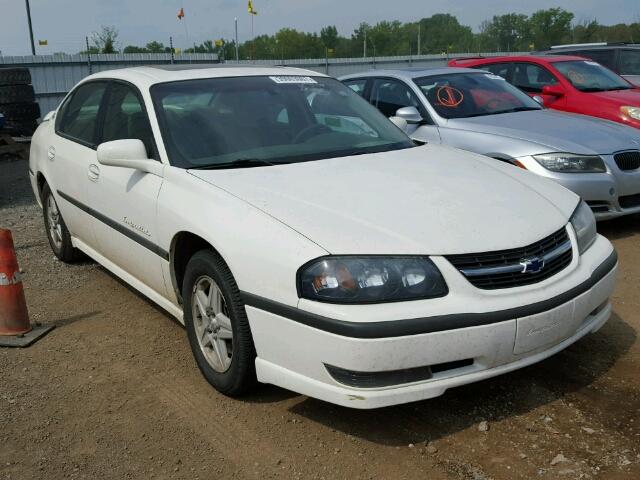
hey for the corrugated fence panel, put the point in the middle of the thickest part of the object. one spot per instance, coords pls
(54, 75)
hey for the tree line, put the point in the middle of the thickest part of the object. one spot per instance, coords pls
(437, 34)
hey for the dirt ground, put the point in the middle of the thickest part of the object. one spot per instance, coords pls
(113, 392)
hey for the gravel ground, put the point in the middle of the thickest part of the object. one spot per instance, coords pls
(113, 392)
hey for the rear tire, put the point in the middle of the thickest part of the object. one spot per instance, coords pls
(217, 325)
(57, 232)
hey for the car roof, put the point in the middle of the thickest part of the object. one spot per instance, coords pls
(409, 73)
(591, 46)
(146, 76)
(517, 58)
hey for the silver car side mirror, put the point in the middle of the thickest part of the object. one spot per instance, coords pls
(539, 99)
(410, 114)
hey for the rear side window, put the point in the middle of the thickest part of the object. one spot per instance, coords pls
(501, 69)
(78, 116)
(530, 78)
(629, 62)
(357, 85)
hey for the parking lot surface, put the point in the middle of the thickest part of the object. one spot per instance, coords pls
(113, 392)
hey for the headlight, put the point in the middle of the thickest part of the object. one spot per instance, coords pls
(571, 163)
(584, 223)
(370, 279)
(631, 112)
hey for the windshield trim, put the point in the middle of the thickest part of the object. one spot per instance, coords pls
(163, 127)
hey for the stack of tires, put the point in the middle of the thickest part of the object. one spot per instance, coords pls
(17, 101)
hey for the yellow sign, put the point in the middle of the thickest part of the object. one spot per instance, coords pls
(250, 8)
(219, 43)
(43, 43)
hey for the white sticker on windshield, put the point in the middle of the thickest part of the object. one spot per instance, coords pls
(493, 77)
(592, 63)
(292, 79)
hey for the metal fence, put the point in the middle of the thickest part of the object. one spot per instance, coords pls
(54, 75)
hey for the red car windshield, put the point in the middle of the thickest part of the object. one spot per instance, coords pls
(464, 95)
(589, 76)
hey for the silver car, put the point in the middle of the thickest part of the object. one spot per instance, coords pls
(478, 111)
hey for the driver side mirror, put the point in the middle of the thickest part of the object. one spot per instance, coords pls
(410, 114)
(129, 153)
(553, 90)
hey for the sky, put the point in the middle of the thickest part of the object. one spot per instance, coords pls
(65, 23)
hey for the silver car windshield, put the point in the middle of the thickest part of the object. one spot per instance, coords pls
(464, 95)
(589, 76)
(265, 120)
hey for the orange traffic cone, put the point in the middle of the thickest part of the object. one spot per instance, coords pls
(15, 328)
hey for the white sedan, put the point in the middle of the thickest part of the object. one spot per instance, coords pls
(305, 242)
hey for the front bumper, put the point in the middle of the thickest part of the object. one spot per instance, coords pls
(293, 351)
(610, 195)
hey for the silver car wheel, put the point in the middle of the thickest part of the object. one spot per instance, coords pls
(54, 222)
(212, 324)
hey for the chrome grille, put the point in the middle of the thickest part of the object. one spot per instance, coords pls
(628, 160)
(503, 269)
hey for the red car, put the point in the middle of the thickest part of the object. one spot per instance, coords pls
(571, 84)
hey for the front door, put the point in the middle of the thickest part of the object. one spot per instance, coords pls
(125, 200)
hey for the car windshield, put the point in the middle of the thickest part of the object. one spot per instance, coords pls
(264, 120)
(463, 95)
(588, 76)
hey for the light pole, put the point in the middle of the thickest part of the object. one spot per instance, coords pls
(237, 49)
(33, 45)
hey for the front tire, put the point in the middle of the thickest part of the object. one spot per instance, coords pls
(57, 232)
(217, 325)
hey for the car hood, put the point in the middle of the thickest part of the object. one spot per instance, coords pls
(629, 97)
(555, 131)
(424, 200)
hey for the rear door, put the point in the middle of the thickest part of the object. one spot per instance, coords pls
(125, 200)
(71, 152)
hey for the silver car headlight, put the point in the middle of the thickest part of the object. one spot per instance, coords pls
(631, 112)
(571, 163)
(370, 279)
(584, 224)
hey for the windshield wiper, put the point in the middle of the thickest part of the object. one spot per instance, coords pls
(238, 163)
(621, 87)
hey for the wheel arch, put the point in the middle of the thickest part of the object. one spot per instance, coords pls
(183, 246)
(41, 181)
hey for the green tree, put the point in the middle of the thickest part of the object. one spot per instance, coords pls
(550, 27)
(329, 36)
(106, 39)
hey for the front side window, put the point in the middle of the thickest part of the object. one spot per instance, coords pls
(78, 117)
(464, 95)
(357, 85)
(629, 62)
(126, 118)
(390, 95)
(219, 122)
(589, 76)
(531, 78)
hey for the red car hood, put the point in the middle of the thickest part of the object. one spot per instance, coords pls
(621, 97)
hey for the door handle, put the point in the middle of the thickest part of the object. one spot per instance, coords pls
(93, 173)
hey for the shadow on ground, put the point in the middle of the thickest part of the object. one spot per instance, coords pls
(622, 227)
(496, 399)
